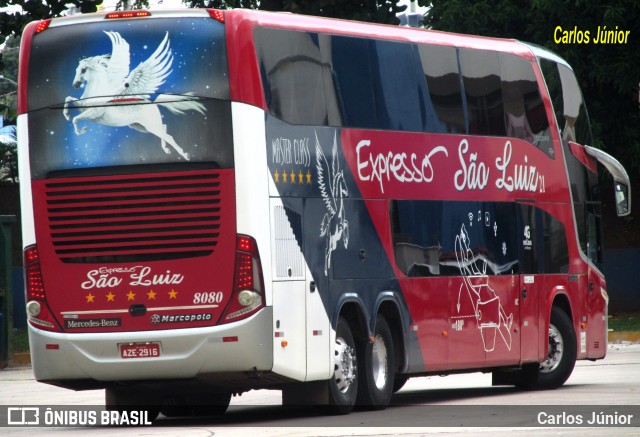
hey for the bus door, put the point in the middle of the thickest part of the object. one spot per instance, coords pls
(484, 299)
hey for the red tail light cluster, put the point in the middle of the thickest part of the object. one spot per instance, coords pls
(248, 286)
(37, 309)
(217, 14)
(127, 14)
(43, 25)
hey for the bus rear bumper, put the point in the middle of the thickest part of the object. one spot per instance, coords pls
(244, 346)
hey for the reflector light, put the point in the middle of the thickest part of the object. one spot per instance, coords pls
(42, 25)
(218, 15)
(127, 14)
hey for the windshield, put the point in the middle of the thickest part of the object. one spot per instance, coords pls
(121, 93)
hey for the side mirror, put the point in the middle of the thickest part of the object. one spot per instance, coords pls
(622, 198)
(622, 185)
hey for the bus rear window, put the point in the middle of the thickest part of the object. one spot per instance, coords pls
(129, 93)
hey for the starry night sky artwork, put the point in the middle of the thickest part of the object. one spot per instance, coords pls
(196, 65)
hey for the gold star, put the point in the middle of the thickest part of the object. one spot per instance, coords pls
(131, 295)
(277, 176)
(173, 294)
(151, 294)
(300, 177)
(111, 297)
(293, 177)
(90, 298)
(308, 177)
(285, 175)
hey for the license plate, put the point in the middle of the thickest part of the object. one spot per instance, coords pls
(140, 350)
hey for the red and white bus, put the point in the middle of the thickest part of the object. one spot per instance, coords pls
(214, 202)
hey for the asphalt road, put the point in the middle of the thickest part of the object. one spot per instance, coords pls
(606, 390)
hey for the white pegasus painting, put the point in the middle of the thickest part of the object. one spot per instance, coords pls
(333, 187)
(115, 96)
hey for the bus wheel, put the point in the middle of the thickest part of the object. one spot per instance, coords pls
(556, 369)
(377, 375)
(561, 357)
(343, 386)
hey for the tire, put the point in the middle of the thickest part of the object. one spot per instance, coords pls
(343, 386)
(561, 357)
(376, 381)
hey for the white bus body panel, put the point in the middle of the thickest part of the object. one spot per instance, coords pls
(184, 353)
(303, 322)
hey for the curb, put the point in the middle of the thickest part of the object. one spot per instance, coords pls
(624, 337)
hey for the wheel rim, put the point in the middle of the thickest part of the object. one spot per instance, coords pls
(345, 365)
(556, 349)
(379, 362)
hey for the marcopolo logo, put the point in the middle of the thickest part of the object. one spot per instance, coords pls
(92, 323)
(180, 318)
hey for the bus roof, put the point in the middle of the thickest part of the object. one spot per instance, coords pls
(355, 28)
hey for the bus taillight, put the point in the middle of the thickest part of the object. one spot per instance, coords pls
(37, 308)
(127, 14)
(42, 25)
(248, 285)
(217, 14)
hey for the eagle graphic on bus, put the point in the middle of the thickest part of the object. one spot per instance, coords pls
(333, 187)
(115, 96)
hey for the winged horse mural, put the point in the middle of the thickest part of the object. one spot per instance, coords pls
(333, 187)
(115, 96)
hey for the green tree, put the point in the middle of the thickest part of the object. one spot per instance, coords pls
(375, 11)
(8, 157)
(608, 73)
(12, 23)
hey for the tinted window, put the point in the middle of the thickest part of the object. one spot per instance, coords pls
(440, 67)
(525, 114)
(180, 113)
(292, 71)
(434, 238)
(482, 87)
(569, 108)
(401, 88)
(543, 242)
(351, 69)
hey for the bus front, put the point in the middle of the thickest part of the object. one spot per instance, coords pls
(134, 267)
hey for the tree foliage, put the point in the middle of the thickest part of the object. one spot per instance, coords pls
(8, 158)
(608, 73)
(375, 11)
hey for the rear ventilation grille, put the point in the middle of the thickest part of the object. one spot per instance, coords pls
(134, 218)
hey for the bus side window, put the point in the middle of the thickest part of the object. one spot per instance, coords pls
(525, 114)
(400, 88)
(483, 91)
(440, 67)
(351, 67)
(292, 75)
